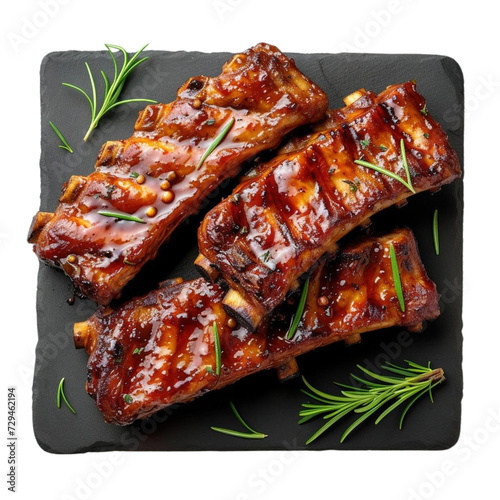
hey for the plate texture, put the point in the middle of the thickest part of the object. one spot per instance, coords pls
(268, 405)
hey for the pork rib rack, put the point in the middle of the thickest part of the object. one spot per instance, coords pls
(157, 175)
(159, 349)
(295, 208)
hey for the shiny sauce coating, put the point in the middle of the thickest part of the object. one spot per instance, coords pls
(278, 223)
(159, 349)
(157, 175)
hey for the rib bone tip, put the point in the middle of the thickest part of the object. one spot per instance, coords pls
(205, 268)
(416, 328)
(288, 370)
(353, 339)
(39, 221)
(80, 334)
(348, 100)
(245, 313)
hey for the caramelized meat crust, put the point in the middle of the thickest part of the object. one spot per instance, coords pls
(159, 349)
(294, 209)
(156, 175)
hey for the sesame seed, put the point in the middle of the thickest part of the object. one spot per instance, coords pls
(151, 211)
(167, 197)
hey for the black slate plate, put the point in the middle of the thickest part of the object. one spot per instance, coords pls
(268, 405)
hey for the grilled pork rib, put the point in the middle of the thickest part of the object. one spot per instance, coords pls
(159, 349)
(156, 174)
(277, 224)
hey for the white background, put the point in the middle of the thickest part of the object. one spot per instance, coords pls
(469, 34)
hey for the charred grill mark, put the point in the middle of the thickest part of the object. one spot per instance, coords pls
(170, 328)
(153, 175)
(310, 192)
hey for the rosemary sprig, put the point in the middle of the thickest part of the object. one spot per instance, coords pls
(216, 142)
(218, 355)
(397, 278)
(253, 434)
(60, 393)
(122, 216)
(411, 383)
(383, 170)
(64, 144)
(435, 231)
(300, 311)
(112, 90)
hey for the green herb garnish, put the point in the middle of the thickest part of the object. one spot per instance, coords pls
(397, 278)
(253, 434)
(382, 148)
(218, 355)
(424, 110)
(126, 261)
(365, 143)
(128, 398)
(112, 90)
(243, 230)
(265, 256)
(216, 142)
(109, 191)
(412, 383)
(426, 135)
(134, 175)
(122, 216)
(383, 170)
(64, 144)
(138, 350)
(435, 231)
(353, 186)
(300, 310)
(60, 393)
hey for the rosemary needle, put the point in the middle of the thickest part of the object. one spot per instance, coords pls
(397, 278)
(217, 350)
(216, 142)
(383, 170)
(60, 393)
(64, 144)
(300, 310)
(246, 435)
(253, 434)
(406, 385)
(112, 90)
(435, 231)
(119, 215)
